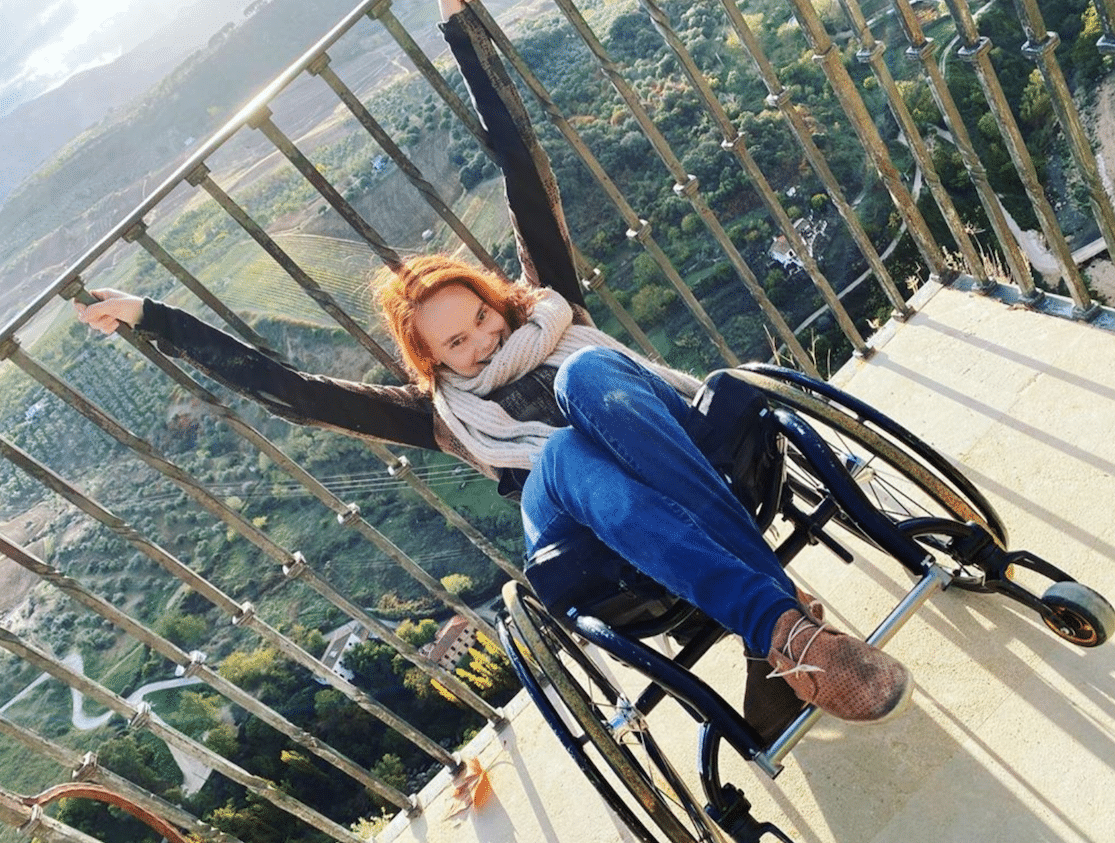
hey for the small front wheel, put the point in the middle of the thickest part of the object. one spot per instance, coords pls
(1082, 616)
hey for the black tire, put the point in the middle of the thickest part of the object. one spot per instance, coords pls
(607, 722)
(903, 476)
(535, 682)
(1084, 617)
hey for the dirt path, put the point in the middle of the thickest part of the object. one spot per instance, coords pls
(194, 772)
(27, 529)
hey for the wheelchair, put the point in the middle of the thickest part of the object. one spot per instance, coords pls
(826, 466)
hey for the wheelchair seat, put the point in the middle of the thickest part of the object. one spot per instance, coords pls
(582, 576)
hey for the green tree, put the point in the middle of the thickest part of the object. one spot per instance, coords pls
(417, 681)
(1037, 107)
(919, 100)
(1088, 62)
(303, 764)
(249, 669)
(644, 270)
(373, 664)
(417, 634)
(988, 127)
(255, 821)
(649, 303)
(263, 671)
(457, 584)
(223, 740)
(309, 639)
(187, 631)
(197, 713)
(104, 823)
(391, 770)
(142, 758)
(773, 280)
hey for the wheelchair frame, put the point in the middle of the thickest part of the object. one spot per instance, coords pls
(950, 538)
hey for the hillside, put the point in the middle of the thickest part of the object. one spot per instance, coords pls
(101, 175)
(248, 482)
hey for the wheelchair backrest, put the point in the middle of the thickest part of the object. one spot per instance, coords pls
(733, 426)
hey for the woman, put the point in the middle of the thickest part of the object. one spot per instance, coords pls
(516, 380)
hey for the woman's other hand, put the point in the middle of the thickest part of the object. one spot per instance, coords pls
(450, 8)
(112, 309)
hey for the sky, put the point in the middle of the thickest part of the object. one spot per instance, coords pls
(43, 44)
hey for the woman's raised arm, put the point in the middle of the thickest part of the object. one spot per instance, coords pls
(399, 414)
(532, 194)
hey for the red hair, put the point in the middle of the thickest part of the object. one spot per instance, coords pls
(401, 292)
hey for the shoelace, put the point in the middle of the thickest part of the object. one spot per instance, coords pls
(799, 627)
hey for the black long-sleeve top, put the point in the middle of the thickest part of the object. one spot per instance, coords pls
(405, 414)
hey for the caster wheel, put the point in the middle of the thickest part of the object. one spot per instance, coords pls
(1083, 616)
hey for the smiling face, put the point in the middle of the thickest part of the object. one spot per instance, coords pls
(456, 331)
(460, 329)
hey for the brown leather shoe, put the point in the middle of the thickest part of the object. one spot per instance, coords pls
(841, 675)
(811, 603)
(770, 704)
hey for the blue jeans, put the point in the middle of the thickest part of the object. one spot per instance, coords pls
(626, 470)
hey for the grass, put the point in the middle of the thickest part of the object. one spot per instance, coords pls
(340, 267)
(40, 705)
(484, 212)
(26, 772)
(474, 494)
(47, 712)
(121, 677)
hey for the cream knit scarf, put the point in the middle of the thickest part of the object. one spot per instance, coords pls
(547, 338)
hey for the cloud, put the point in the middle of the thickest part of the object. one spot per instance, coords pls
(48, 45)
(27, 27)
(42, 47)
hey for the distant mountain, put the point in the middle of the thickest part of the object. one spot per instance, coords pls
(55, 213)
(32, 133)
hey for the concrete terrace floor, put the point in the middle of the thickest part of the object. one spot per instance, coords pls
(1012, 733)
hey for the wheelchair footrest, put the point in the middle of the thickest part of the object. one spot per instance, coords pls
(736, 819)
(936, 578)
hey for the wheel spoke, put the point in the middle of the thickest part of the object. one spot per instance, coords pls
(901, 474)
(597, 710)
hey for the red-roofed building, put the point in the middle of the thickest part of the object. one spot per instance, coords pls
(453, 640)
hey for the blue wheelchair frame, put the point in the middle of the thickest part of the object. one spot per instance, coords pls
(973, 541)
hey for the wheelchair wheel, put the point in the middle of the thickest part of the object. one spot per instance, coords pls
(903, 476)
(1083, 616)
(601, 729)
(535, 684)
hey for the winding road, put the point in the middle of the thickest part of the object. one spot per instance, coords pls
(194, 774)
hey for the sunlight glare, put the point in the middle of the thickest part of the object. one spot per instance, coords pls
(53, 59)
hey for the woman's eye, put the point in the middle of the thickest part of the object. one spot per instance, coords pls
(482, 315)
